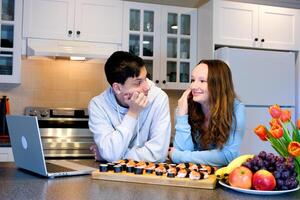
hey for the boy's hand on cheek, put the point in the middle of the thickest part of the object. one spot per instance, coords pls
(137, 103)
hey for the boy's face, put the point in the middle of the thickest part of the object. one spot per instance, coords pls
(136, 84)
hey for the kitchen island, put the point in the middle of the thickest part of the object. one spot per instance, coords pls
(19, 184)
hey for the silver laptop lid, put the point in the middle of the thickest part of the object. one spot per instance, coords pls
(26, 143)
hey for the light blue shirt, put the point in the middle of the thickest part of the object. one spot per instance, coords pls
(119, 136)
(188, 151)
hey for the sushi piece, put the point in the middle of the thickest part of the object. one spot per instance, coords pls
(123, 166)
(149, 170)
(160, 170)
(180, 166)
(194, 175)
(118, 168)
(193, 166)
(139, 170)
(204, 175)
(206, 168)
(103, 167)
(130, 166)
(171, 172)
(121, 161)
(142, 164)
(182, 173)
(110, 166)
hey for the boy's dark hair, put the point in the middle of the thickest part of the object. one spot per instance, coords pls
(122, 65)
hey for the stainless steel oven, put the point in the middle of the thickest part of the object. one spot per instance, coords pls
(64, 131)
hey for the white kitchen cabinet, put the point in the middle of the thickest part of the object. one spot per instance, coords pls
(165, 38)
(178, 46)
(6, 154)
(141, 32)
(258, 26)
(82, 20)
(10, 45)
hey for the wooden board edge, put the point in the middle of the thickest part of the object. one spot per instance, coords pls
(209, 183)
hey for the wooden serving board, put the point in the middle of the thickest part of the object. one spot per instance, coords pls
(209, 183)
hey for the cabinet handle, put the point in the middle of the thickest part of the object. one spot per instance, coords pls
(256, 39)
(157, 81)
(78, 32)
(262, 40)
(164, 81)
(70, 32)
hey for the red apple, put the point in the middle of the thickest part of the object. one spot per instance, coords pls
(241, 177)
(263, 180)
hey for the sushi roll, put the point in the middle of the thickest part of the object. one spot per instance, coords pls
(171, 175)
(138, 170)
(194, 175)
(206, 168)
(160, 170)
(171, 172)
(141, 164)
(193, 166)
(103, 167)
(180, 166)
(110, 166)
(149, 170)
(182, 173)
(121, 161)
(118, 168)
(123, 166)
(204, 175)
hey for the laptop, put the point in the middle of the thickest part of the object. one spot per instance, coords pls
(28, 151)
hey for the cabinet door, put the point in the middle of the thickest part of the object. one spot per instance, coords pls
(10, 44)
(178, 46)
(6, 154)
(142, 35)
(277, 27)
(50, 19)
(98, 20)
(235, 24)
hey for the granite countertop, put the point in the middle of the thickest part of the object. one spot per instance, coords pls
(18, 184)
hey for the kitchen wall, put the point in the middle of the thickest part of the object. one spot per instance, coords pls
(56, 83)
(61, 83)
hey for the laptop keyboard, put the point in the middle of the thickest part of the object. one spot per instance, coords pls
(52, 168)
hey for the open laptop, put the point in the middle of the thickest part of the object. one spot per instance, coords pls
(28, 151)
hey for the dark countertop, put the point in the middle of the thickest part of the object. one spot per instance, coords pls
(17, 184)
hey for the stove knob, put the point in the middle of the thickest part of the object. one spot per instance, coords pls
(33, 112)
(44, 113)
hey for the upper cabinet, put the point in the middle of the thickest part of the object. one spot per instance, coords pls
(258, 26)
(10, 44)
(82, 20)
(165, 38)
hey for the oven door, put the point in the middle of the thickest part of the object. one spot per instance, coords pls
(62, 137)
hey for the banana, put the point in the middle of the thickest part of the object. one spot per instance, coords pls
(237, 162)
(220, 173)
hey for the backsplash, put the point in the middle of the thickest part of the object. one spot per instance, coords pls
(56, 83)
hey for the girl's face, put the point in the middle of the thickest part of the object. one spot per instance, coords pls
(199, 84)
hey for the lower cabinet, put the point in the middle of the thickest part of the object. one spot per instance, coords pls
(6, 154)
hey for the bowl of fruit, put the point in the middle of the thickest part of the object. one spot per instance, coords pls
(265, 173)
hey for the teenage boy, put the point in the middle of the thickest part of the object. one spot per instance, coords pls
(131, 119)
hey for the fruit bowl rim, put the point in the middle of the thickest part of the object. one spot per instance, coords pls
(258, 192)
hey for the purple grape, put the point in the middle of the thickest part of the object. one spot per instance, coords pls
(285, 174)
(279, 183)
(277, 174)
(281, 159)
(262, 154)
(247, 164)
